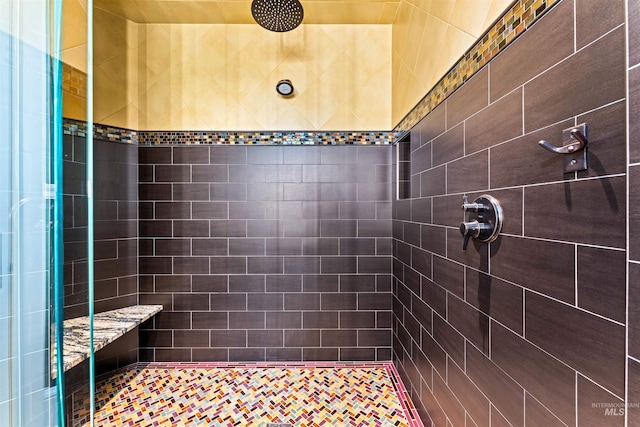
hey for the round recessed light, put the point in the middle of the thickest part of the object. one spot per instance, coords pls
(284, 87)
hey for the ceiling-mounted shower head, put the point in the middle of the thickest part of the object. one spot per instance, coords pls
(277, 15)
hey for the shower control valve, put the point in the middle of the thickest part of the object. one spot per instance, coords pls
(484, 222)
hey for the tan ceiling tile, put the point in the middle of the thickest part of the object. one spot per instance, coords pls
(126, 8)
(239, 11)
(342, 12)
(389, 12)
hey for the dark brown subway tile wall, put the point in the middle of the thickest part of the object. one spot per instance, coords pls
(75, 226)
(115, 242)
(633, 76)
(266, 252)
(115, 225)
(531, 329)
(115, 245)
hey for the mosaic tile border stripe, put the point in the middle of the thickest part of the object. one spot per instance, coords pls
(74, 127)
(128, 136)
(521, 15)
(353, 393)
(106, 133)
(265, 138)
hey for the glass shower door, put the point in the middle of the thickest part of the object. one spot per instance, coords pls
(77, 199)
(29, 394)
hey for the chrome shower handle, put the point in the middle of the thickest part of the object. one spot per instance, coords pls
(473, 229)
(471, 207)
(579, 144)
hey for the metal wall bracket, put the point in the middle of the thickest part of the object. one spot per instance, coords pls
(574, 148)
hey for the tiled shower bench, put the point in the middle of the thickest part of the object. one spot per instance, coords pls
(107, 327)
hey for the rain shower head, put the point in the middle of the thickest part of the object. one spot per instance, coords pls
(277, 15)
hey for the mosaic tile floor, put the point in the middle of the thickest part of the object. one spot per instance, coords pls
(219, 394)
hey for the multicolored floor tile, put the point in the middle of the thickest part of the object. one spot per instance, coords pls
(254, 394)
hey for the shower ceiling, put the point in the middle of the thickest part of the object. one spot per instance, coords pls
(239, 11)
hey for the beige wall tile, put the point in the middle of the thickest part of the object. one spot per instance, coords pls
(76, 57)
(225, 77)
(74, 53)
(74, 24)
(127, 118)
(109, 35)
(496, 10)
(442, 9)
(115, 71)
(74, 34)
(425, 5)
(343, 118)
(417, 27)
(74, 107)
(455, 43)
(426, 45)
(470, 16)
(401, 27)
(222, 77)
(427, 69)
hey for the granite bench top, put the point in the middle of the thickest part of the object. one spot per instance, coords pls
(107, 327)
